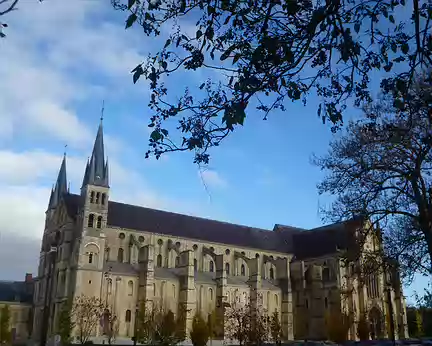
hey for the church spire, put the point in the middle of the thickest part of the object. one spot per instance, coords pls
(96, 172)
(60, 186)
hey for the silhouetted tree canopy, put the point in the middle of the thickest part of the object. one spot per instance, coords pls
(381, 168)
(260, 55)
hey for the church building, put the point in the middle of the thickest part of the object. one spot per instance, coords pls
(126, 254)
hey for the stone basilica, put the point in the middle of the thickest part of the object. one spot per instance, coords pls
(125, 254)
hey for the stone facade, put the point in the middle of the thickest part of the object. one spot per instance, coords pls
(17, 295)
(127, 254)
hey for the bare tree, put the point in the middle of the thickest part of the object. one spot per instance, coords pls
(380, 171)
(247, 325)
(87, 313)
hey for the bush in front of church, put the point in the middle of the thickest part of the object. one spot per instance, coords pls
(199, 333)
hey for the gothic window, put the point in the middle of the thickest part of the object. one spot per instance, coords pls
(128, 316)
(326, 274)
(174, 290)
(97, 197)
(103, 198)
(195, 264)
(276, 299)
(159, 261)
(130, 288)
(268, 300)
(92, 197)
(90, 220)
(99, 222)
(243, 270)
(177, 261)
(120, 255)
(211, 266)
(90, 258)
(307, 304)
(211, 293)
(326, 302)
(271, 273)
(227, 268)
(107, 254)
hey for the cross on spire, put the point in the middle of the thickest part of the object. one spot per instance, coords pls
(102, 111)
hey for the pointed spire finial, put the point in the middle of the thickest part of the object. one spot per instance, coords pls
(102, 111)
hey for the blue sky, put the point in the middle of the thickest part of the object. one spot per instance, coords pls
(59, 61)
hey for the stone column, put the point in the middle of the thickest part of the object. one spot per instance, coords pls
(146, 277)
(187, 297)
(283, 276)
(316, 309)
(221, 287)
(255, 282)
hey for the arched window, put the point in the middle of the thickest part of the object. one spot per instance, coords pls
(211, 267)
(128, 316)
(276, 299)
(174, 290)
(159, 261)
(195, 265)
(307, 304)
(97, 197)
(120, 255)
(130, 288)
(107, 254)
(90, 222)
(268, 300)
(271, 274)
(177, 261)
(103, 198)
(243, 270)
(92, 197)
(99, 222)
(326, 302)
(227, 268)
(90, 258)
(211, 293)
(326, 274)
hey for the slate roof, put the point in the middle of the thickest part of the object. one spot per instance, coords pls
(320, 241)
(178, 225)
(302, 243)
(15, 291)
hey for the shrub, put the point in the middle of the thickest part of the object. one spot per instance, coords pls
(200, 332)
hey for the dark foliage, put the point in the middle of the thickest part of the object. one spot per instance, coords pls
(264, 54)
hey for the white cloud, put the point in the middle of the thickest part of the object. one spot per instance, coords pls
(212, 179)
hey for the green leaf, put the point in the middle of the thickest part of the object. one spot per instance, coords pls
(164, 132)
(131, 19)
(198, 34)
(391, 18)
(155, 135)
(357, 27)
(167, 43)
(227, 53)
(138, 71)
(405, 48)
(131, 3)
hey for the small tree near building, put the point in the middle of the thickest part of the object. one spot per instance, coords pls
(168, 330)
(200, 332)
(212, 325)
(65, 323)
(419, 324)
(276, 328)
(337, 325)
(363, 328)
(86, 314)
(110, 326)
(5, 332)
